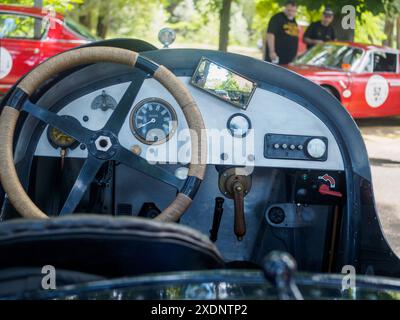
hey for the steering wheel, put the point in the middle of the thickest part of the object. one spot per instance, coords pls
(102, 145)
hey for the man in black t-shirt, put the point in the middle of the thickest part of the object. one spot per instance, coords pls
(320, 31)
(283, 36)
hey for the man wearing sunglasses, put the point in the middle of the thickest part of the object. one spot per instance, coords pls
(320, 31)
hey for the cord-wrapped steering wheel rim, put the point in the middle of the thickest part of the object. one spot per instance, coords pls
(82, 56)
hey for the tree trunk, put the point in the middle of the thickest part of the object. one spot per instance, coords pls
(342, 34)
(224, 21)
(398, 32)
(103, 20)
(86, 19)
(389, 27)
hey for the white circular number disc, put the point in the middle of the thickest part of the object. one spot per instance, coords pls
(6, 62)
(376, 91)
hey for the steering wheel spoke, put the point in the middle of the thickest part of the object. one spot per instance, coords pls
(136, 162)
(69, 126)
(115, 122)
(85, 178)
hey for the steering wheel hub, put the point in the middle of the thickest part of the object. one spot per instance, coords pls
(103, 145)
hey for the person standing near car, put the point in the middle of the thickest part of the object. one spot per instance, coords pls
(320, 31)
(282, 36)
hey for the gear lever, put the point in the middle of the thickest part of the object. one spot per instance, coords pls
(238, 198)
(279, 269)
(235, 183)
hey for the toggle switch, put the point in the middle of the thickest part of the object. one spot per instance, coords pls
(324, 190)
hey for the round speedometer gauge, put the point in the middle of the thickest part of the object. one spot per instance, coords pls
(153, 121)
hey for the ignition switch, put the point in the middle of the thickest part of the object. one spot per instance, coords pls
(235, 183)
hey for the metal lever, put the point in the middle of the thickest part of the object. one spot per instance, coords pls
(324, 190)
(238, 198)
(235, 183)
(218, 211)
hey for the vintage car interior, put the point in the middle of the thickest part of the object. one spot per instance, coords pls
(116, 163)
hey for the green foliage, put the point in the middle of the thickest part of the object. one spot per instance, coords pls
(374, 6)
(197, 21)
(230, 84)
(369, 28)
(138, 19)
(58, 5)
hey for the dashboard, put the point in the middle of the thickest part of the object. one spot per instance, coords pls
(293, 164)
(286, 170)
(305, 164)
(278, 130)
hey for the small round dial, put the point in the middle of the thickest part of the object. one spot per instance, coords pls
(153, 121)
(59, 139)
(316, 148)
(239, 125)
(104, 102)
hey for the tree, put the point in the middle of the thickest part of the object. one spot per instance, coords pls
(346, 34)
(392, 18)
(101, 16)
(388, 29)
(103, 19)
(224, 24)
(398, 31)
(58, 5)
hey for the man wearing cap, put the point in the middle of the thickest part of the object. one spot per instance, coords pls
(320, 31)
(282, 35)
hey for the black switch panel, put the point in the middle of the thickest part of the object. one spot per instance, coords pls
(309, 187)
(291, 147)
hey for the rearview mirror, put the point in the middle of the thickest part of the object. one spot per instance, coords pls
(223, 83)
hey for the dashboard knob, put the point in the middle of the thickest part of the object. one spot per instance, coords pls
(276, 215)
(316, 148)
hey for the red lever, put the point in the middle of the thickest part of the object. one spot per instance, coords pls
(324, 189)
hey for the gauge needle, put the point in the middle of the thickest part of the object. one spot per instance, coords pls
(148, 122)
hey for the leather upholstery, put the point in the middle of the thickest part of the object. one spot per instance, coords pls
(106, 246)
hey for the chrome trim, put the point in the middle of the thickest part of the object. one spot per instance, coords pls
(69, 41)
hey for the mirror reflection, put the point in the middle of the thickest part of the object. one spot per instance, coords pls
(223, 83)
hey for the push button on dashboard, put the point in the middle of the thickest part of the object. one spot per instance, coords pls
(294, 147)
(316, 148)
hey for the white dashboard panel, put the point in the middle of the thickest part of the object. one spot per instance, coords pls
(268, 112)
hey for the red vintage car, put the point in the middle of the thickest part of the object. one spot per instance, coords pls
(29, 36)
(365, 78)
